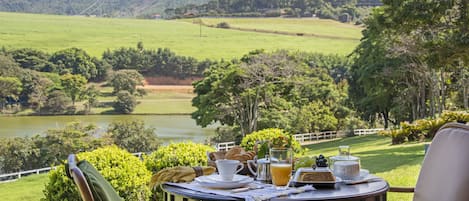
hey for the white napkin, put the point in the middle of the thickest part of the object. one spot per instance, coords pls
(263, 191)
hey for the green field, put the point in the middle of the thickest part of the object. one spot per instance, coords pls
(25, 189)
(155, 102)
(320, 27)
(398, 164)
(95, 35)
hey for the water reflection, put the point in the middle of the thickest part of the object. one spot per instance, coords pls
(168, 127)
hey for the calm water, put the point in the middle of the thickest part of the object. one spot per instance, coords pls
(168, 127)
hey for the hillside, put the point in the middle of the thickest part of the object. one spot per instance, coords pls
(110, 8)
(95, 35)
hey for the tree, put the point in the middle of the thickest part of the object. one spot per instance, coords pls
(74, 61)
(10, 89)
(260, 91)
(57, 102)
(133, 136)
(91, 96)
(74, 86)
(125, 102)
(125, 80)
(8, 67)
(32, 59)
(40, 92)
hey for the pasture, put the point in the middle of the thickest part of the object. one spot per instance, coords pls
(320, 27)
(95, 35)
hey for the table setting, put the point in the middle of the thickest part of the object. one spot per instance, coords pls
(272, 176)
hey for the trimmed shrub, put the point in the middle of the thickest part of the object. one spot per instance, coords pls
(126, 173)
(178, 154)
(269, 134)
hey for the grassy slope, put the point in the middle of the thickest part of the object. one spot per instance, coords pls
(27, 188)
(306, 25)
(155, 102)
(52, 33)
(398, 164)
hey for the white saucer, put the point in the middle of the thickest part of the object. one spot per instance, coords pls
(363, 174)
(238, 181)
(217, 178)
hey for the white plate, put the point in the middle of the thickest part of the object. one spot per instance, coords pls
(217, 178)
(222, 185)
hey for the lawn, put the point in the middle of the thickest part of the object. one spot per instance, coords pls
(27, 188)
(398, 164)
(95, 35)
(319, 27)
(155, 102)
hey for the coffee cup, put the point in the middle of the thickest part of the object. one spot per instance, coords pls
(228, 168)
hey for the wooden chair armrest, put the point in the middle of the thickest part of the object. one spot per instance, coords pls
(401, 189)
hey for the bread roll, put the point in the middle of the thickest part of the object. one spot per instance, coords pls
(232, 152)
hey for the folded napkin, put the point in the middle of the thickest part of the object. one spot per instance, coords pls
(260, 192)
(179, 174)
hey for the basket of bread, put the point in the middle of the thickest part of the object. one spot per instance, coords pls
(236, 153)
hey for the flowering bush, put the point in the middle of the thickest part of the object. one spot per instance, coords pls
(423, 128)
(125, 172)
(178, 154)
(277, 138)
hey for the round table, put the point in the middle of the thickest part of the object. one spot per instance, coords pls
(375, 191)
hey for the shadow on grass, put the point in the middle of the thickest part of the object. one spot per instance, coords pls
(376, 152)
(107, 94)
(388, 159)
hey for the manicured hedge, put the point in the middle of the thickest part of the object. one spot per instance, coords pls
(178, 154)
(126, 173)
(269, 134)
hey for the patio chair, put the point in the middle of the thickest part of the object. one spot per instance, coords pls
(91, 184)
(445, 169)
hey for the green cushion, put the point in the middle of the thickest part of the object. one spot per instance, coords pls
(100, 188)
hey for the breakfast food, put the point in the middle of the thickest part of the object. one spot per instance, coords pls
(238, 153)
(316, 176)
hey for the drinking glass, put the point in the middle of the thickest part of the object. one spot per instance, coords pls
(344, 150)
(281, 166)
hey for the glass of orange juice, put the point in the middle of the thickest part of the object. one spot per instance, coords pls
(281, 166)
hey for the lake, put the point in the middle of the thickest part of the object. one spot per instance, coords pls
(169, 128)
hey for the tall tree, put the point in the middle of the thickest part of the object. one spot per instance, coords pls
(74, 86)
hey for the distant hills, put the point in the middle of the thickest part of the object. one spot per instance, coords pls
(330, 9)
(106, 8)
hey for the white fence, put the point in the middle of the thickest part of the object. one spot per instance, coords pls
(360, 132)
(17, 175)
(308, 137)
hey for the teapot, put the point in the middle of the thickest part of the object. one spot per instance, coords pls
(262, 167)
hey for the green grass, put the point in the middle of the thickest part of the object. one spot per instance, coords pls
(315, 26)
(95, 35)
(398, 164)
(155, 102)
(25, 189)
